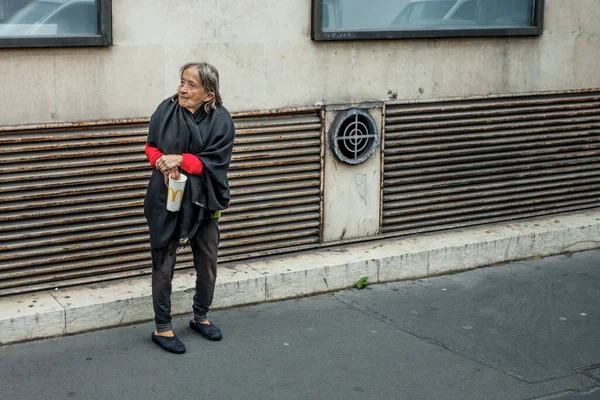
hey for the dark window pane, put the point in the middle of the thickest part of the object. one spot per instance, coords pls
(76, 19)
(390, 15)
(423, 11)
(467, 11)
(33, 13)
(53, 18)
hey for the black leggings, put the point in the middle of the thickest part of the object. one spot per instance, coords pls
(204, 246)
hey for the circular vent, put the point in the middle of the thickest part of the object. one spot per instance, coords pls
(353, 136)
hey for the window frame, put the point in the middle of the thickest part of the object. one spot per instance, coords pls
(317, 33)
(102, 39)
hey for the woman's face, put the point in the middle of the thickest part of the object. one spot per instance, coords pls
(191, 92)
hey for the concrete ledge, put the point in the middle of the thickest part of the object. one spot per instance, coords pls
(73, 310)
(29, 317)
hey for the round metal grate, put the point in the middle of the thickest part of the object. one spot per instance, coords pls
(353, 136)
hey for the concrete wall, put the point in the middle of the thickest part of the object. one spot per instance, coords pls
(267, 60)
(351, 199)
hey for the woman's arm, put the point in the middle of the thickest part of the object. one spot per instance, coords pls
(153, 154)
(189, 162)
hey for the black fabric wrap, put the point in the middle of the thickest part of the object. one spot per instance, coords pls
(209, 136)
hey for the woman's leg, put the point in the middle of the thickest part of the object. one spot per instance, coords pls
(163, 266)
(205, 244)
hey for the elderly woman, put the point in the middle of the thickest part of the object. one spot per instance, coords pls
(191, 133)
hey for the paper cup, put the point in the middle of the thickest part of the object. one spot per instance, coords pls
(175, 192)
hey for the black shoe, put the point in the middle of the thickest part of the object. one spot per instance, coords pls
(171, 344)
(211, 332)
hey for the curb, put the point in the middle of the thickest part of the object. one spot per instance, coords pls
(74, 310)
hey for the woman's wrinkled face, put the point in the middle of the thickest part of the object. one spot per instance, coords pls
(191, 92)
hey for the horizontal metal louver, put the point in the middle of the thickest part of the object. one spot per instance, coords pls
(71, 198)
(451, 164)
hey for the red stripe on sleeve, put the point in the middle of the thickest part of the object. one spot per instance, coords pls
(153, 154)
(191, 164)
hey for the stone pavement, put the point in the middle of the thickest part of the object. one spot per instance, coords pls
(66, 311)
(524, 330)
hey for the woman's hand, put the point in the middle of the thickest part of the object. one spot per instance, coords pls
(174, 172)
(168, 162)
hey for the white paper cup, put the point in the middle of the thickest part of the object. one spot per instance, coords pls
(175, 192)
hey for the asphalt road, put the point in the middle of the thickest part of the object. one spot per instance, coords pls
(526, 330)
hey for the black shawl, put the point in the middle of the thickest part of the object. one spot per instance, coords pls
(209, 136)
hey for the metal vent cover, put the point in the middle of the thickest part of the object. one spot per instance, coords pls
(75, 213)
(353, 136)
(455, 163)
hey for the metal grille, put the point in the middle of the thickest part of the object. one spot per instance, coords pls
(457, 163)
(354, 136)
(71, 197)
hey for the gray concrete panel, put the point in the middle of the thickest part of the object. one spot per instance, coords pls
(531, 320)
(269, 61)
(27, 86)
(108, 83)
(157, 22)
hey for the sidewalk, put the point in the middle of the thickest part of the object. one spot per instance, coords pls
(525, 330)
(73, 310)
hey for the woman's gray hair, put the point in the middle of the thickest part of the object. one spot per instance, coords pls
(209, 78)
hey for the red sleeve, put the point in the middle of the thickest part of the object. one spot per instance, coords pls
(153, 154)
(191, 164)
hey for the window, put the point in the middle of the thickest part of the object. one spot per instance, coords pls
(467, 11)
(55, 23)
(390, 19)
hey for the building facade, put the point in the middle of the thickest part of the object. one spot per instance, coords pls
(467, 130)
